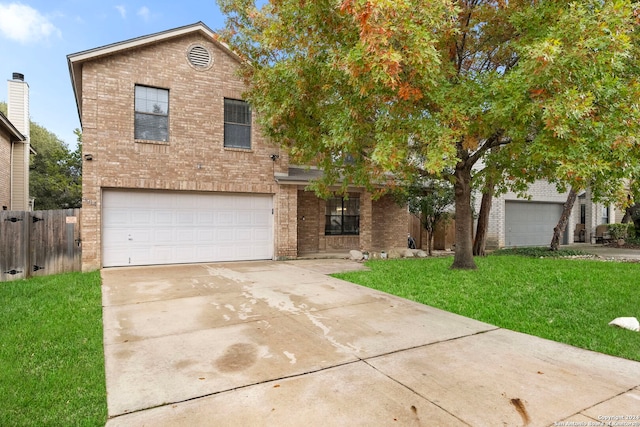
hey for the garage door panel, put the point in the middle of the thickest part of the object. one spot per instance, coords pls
(163, 235)
(141, 228)
(530, 223)
(205, 218)
(116, 257)
(204, 235)
(261, 234)
(116, 216)
(244, 218)
(224, 235)
(187, 235)
(224, 218)
(261, 220)
(244, 235)
(159, 216)
(185, 218)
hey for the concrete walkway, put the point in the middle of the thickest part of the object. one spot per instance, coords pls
(283, 344)
(606, 252)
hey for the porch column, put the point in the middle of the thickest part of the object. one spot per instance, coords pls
(366, 222)
(286, 222)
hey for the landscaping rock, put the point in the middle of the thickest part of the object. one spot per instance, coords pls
(394, 254)
(409, 253)
(356, 255)
(630, 323)
(421, 254)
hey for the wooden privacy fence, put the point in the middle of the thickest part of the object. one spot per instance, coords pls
(443, 236)
(39, 243)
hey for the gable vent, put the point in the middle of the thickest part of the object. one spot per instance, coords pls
(199, 57)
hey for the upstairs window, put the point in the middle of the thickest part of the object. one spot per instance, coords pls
(342, 217)
(152, 114)
(237, 124)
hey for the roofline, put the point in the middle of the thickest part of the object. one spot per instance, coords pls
(13, 131)
(75, 60)
(301, 180)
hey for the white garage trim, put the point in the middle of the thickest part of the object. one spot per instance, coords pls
(531, 223)
(162, 227)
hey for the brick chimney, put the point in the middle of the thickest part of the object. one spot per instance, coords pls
(18, 115)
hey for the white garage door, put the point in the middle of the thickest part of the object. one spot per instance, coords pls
(144, 228)
(531, 223)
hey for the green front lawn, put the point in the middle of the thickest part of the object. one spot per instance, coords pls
(51, 354)
(565, 300)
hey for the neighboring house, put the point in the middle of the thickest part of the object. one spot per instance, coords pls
(175, 169)
(519, 222)
(15, 148)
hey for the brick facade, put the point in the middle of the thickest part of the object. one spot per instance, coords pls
(286, 229)
(194, 158)
(390, 223)
(383, 225)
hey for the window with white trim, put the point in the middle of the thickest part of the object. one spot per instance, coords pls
(605, 214)
(237, 124)
(151, 113)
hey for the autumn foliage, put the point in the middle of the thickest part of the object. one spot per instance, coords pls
(387, 91)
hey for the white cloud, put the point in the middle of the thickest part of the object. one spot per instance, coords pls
(24, 23)
(144, 12)
(122, 10)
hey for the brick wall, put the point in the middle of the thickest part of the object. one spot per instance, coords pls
(383, 225)
(193, 159)
(310, 221)
(5, 170)
(390, 223)
(286, 226)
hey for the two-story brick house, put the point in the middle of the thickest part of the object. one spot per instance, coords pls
(175, 169)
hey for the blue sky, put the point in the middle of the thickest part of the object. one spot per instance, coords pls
(37, 36)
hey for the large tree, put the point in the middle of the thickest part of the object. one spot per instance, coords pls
(379, 91)
(55, 171)
(55, 176)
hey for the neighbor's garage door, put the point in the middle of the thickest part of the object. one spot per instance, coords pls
(531, 223)
(143, 228)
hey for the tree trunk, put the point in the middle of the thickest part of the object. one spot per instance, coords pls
(631, 215)
(558, 230)
(627, 212)
(430, 242)
(463, 258)
(483, 220)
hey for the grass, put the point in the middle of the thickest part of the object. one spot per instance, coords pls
(51, 353)
(565, 300)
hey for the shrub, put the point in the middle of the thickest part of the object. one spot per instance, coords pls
(618, 231)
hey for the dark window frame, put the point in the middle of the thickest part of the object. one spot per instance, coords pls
(342, 217)
(237, 124)
(151, 123)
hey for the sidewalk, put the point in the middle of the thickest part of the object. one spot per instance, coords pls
(606, 252)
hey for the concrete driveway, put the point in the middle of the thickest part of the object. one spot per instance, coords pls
(282, 343)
